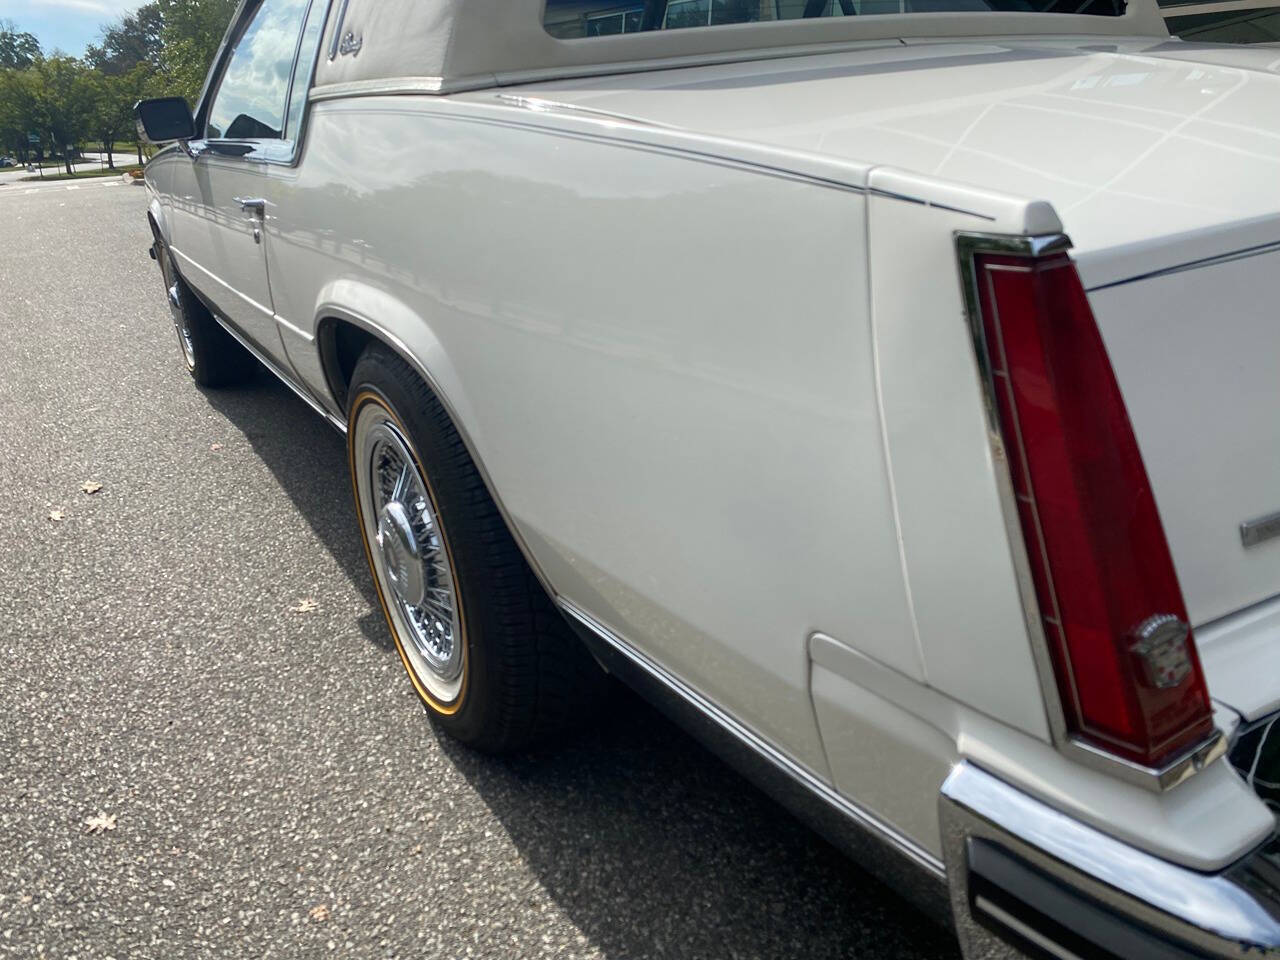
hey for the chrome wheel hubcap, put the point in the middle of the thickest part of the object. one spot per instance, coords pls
(410, 558)
(400, 552)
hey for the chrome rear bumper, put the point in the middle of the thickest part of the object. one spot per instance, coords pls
(1027, 879)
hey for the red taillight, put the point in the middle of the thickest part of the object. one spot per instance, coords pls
(1112, 608)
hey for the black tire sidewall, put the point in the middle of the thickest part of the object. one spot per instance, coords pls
(169, 275)
(382, 378)
(218, 360)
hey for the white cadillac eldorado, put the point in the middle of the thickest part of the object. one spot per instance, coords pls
(890, 389)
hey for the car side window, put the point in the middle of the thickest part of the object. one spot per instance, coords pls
(252, 94)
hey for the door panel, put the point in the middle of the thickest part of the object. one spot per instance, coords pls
(220, 246)
(220, 243)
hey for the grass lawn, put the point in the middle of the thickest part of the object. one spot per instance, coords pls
(84, 174)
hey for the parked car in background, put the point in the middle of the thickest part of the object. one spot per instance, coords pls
(887, 388)
(7, 162)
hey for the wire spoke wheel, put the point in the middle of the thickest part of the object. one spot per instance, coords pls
(180, 324)
(410, 557)
(487, 652)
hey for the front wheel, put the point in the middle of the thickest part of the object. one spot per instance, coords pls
(487, 652)
(212, 356)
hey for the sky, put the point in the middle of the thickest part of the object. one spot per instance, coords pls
(66, 25)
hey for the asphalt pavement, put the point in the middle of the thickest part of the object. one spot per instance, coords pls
(197, 762)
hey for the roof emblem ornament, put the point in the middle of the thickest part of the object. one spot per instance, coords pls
(350, 44)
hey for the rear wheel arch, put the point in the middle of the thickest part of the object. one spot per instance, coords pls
(523, 673)
(341, 343)
(343, 339)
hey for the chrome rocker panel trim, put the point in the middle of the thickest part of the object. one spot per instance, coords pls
(1019, 866)
(335, 422)
(1200, 755)
(303, 394)
(876, 846)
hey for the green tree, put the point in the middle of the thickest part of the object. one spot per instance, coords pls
(65, 99)
(17, 50)
(191, 32)
(18, 113)
(132, 40)
(113, 101)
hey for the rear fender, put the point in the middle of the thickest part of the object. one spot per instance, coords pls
(388, 320)
(409, 335)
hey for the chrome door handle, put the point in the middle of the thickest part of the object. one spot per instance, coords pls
(255, 205)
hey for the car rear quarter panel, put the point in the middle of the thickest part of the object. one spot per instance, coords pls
(665, 364)
(721, 417)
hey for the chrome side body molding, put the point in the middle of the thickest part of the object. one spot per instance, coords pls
(336, 422)
(893, 858)
(1260, 529)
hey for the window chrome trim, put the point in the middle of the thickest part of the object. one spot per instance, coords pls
(279, 151)
(1246, 253)
(1231, 913)
(213, 78)
(335, 40)
(1198, 756)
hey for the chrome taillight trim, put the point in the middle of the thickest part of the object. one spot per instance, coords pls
(1186, 765)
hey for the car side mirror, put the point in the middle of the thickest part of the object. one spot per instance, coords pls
(164, 119)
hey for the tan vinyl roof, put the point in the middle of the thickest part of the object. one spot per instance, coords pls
(438, 46)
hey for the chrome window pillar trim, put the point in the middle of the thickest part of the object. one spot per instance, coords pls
(283, 151)
(1245, 253)
(293, 65)
(1232, 913)
(1198, 756)
(335, 40)
(1185, 8)
(875, 844)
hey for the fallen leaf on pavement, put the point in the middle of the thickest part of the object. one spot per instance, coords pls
(215, 446)
(55, 514)
(91, 486)
(319, 913)
(305, 606)
(103, 821)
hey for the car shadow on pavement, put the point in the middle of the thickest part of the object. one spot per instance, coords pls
(656, 848)
(309, 460)
(648, 843)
